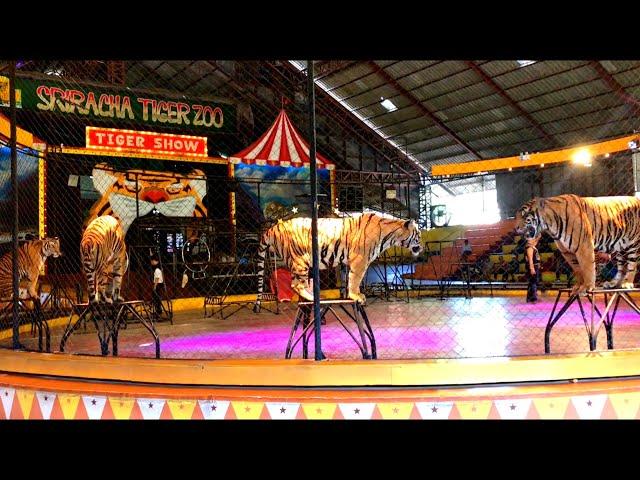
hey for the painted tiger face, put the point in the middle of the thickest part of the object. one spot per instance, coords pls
(51, 247)
(411, 237)
(528, 222)
(133, 193)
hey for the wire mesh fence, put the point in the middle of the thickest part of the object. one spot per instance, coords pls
(204, 165)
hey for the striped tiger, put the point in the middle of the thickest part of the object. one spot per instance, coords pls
(353, 241)
(132, 193)
(104, 258)
(580, 225)
(32, 256)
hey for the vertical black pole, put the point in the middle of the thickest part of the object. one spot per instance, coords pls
(315, 269)
(14, 187)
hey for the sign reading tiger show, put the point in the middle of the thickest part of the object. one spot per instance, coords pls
(101, 103)
(145, 142)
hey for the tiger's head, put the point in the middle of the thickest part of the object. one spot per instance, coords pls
(133, 193)
(529, 221)
(410, 237)
(50, 247)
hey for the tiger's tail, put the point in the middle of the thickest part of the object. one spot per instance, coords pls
(262, 253)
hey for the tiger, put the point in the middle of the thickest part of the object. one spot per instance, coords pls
(171, 194)
(104, 258)
(352, 241)
(32, 256)
(580, 225)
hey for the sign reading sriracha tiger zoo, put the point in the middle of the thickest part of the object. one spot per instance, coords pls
(104, 103)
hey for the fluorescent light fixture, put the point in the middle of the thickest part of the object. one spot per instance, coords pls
(388, 104)
(525, 63)
(223, 155)
(582, 157)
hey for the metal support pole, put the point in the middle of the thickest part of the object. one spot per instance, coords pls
(315, 269)
(14, 187)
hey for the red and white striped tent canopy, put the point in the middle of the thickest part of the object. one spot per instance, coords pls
(281, 146)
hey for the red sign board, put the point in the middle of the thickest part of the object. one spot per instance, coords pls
(145, 142)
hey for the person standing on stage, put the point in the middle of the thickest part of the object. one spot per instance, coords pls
(158, 281)
(532, 268)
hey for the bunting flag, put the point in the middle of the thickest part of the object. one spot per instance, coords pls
(281, 145)
(25, 403)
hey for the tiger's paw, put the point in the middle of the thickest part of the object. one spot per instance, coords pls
(305, 294)
(627, 285)
(580, 290)
(610, 284)
(358, 297)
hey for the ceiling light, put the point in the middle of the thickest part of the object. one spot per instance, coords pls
(582, 157)
(607, 155)
(525, 63)
(388, 104)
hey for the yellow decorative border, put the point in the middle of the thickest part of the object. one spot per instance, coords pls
(154, 156)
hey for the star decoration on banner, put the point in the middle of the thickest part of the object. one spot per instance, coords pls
(356, 411)
(150, 405)
(395, 409)
(46, 398)
(473, 409)
(294, 210)
(318, 410)
(93, 401)
(6, 394)
(336, 211)
(512, 407)
(247, 409)
(589, 403)
(214, 408)
(434, 409)
(283, 410)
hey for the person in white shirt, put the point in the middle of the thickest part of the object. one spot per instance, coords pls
(158, 281)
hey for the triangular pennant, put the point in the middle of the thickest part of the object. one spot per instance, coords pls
(136, 413)
(626, 405)
(533, 414)
(395, 411)
(69, 405)
(415, 413)
(454, 414)
(7, 394)
(81, 412)
(94, 406)
(214, 409)
(36, 414)
(474, 410)
(356, 411)
(514, 409)
(25, 400)
(608, 412)
(16, 411)
(434, 410)
(589, 406)
(301, 415)
(181, 409)
(151, 408)
(493, 413)
(551, 408)
(121, 407)
(166, 413)
(247, 410)
(282, 411)
(45, 403)
(319, 411)
(56, 410)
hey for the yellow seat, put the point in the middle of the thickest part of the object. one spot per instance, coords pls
(508, 248)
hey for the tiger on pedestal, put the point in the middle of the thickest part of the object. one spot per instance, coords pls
(580, 225)
(353, 241)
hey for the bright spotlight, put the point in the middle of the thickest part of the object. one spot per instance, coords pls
(582, 157)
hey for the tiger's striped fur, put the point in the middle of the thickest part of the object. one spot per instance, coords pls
(104, 258)
(352, 241)
(32, 256)
(580, 225)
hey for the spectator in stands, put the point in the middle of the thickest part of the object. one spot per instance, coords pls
(533, 269)
(512, 269)
(466, 251)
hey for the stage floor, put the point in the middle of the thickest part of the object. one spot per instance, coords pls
(503, 325)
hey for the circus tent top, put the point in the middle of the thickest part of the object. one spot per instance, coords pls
(281, 145)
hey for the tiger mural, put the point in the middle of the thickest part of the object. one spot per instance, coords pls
(104, 258)
(580, 225)
(32, 256)
(171, 194)
(353, 241)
